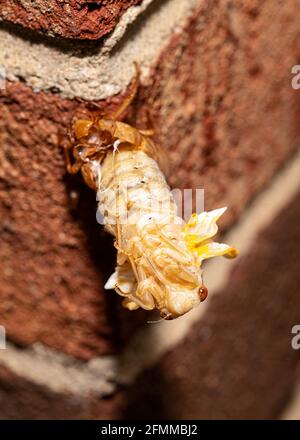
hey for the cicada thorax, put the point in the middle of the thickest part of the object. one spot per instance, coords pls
(174, 268)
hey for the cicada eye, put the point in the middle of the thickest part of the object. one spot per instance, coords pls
(203, 292)
(80, 151)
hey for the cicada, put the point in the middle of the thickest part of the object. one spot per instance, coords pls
(159, 256)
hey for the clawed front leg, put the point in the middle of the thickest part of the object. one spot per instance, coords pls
(126, 103)
(72, 168)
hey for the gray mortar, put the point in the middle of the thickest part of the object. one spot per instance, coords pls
(61, 373)
(98, 70)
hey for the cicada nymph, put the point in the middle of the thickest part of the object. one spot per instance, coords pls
(159, 256)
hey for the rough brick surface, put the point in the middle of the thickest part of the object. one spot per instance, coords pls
(224, 110)
(73, 19)
(237, 361)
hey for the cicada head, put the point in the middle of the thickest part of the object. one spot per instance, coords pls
(182, 297)
(89, 133)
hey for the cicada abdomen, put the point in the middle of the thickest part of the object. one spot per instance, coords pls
(159, 257)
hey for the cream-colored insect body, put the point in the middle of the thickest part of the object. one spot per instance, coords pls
(159, 257)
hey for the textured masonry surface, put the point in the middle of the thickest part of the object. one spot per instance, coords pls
(78, 19)
(212, 118)
(218, 91)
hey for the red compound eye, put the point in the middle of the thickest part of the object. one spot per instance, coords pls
(203, 292)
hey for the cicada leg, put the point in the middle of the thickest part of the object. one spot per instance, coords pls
(147, 132)
(150, 131)
(120, 247)
(145, 293)
(130, 304)
(126, 103)
(91, 175)
(72, 168)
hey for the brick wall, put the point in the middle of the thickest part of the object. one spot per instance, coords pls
(216, 79)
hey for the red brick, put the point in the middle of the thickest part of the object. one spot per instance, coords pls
(78, 19)
(237, 361)
(224, 110)
(224, 105)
